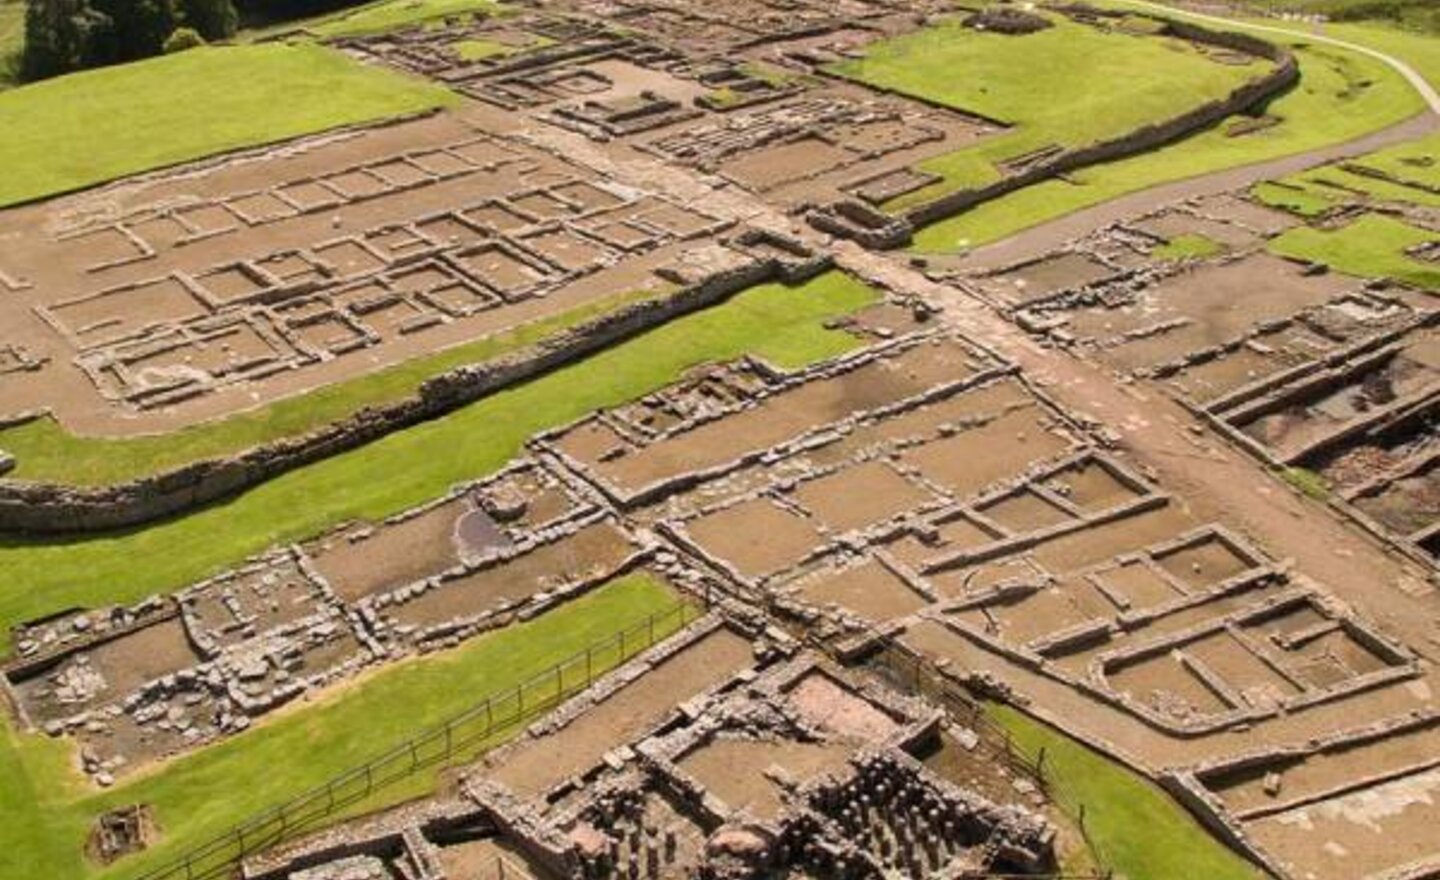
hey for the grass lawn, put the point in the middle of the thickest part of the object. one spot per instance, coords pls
(87, 128)
(1342, 96)
(1188, 246)
(1086, 89)
(46, 451)
(1414, 168)
(1392, 26)
(46, 810)
(1305, 201)
(479, 50)
(1141, 832)
(1419, 50)
(1370, 247)
(411, 466)
(1416, 162)
(389, 15)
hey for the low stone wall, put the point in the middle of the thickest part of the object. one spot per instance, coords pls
(1285, 75)
(49, 508)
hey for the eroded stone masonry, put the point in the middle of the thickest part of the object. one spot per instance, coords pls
(1044, 473)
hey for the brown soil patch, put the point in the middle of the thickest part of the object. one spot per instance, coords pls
(391, 555)
(592, 551)
(971, 460)
(757, 537)
(537, 765)
(861, 496)
(869, 590)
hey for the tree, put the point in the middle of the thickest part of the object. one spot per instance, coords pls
(212, 19)
(60, 36)
(138, 29)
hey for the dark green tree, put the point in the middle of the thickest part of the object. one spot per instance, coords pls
(60, 36)
(212, 19)
(138, 29)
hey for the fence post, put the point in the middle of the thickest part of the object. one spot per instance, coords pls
(622, 646)
(589, 673)
(652, 629)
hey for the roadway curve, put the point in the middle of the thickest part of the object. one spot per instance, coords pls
(1420, 83)
(1052, 234)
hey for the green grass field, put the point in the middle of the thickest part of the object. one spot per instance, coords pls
(479, 50)
(1420, 50)
(1414, 15)
(389, 15)
(87, 128)
(44, 450)
(1370, 247)
(1413, 169)
(46, 810)
(1416, 162)
(1305, 201)
(1342, 96)
(780, 323)
(1139, 830)
(1086, 90)
(1188, 246)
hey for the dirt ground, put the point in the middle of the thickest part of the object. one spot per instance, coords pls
(1075, 532)
(544, 762)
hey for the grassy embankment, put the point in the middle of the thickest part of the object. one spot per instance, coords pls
(1342, 96)
(389, 15)
(87, 128)
(1085, 91)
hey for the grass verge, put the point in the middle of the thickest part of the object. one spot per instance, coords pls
(777, 322)
(87, 128)
(45, 450)
(45, 811)
(1141, 832)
